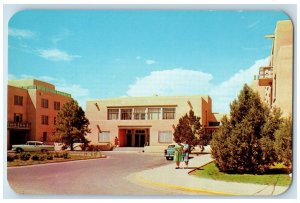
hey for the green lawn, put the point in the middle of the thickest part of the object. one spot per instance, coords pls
(275, 176)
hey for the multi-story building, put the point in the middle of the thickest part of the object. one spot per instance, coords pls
(32, 106)
(275, 81)
(145, 121)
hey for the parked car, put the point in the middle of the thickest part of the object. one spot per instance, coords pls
(33, 146)
(170, 151)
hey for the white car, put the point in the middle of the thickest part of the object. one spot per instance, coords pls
(33, 146)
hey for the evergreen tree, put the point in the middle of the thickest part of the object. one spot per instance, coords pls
(190, 130)
(71, 125)
(283, 142)
(244, 142)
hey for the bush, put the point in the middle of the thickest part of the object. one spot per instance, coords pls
(283, 143)
(10, 158)
(35, 157)
(49, 157)
(38, 157)
(58, 155)
(66, 155)
(25, 156)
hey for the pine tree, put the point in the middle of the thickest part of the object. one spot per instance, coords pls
(190, 130)
(71, 125)
(244, 142)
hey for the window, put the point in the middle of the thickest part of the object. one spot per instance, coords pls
(165, 136)
(45, 103)
(139, 114)
(168, 113)
(113, 114)
(153, 113)
(18, 100)
(18, 117)
(44, 136)
(45, 120)
(126, 114)
(104, 137)
(57, 106)
(213, 123)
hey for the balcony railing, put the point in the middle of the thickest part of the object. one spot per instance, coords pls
(265, 76)
(19, 125)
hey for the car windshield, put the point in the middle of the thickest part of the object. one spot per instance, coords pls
(171, 146)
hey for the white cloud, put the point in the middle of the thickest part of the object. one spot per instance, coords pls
(149, 61)
(20, 33)
(190, 82)
(56, 55)
(171, 82)
(228, 90)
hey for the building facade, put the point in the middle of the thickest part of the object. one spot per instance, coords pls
(145, 121)
(32, 106)
(275, 81)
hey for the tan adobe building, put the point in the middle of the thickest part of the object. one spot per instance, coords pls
(145, 121)
(32, 106)
(275, 81)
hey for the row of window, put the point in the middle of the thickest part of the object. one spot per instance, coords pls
(18, 100)
(141, 114)
(18, 118)
(163, 136)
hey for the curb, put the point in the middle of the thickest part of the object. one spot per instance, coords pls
(140, 179)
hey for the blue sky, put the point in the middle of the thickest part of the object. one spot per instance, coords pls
(101, 54)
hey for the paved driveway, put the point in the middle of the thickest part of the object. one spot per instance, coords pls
(108, 176)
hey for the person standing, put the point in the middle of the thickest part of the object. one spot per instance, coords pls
(186, 152)
(116, 141)
(178, 155)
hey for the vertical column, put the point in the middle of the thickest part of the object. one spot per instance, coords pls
(132, 114)
(119, 117)
(160, 114)
(146, 114)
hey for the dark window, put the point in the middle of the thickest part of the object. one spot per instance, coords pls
(45, 103)
(44, 136)
(113, 114)
(18, 100)
(168, 113)
(126, 114)
(56, 105)
(139, 114)
(45, 120)
(18, 117)
(213, 123)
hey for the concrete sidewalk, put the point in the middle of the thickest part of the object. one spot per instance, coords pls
(179, 179)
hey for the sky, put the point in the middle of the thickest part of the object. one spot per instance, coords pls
(95, 54)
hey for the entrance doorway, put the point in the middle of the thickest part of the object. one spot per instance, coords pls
(133, 137)
(139, 138)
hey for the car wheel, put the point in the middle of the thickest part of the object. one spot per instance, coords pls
(19, 150)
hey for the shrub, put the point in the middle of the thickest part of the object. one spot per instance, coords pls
(66, 155)
(25, 156)
(58, 155)
(10, 158)
(283, 143)
(49, 157)
(35, 157)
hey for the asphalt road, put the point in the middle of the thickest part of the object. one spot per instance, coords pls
(108, 176)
